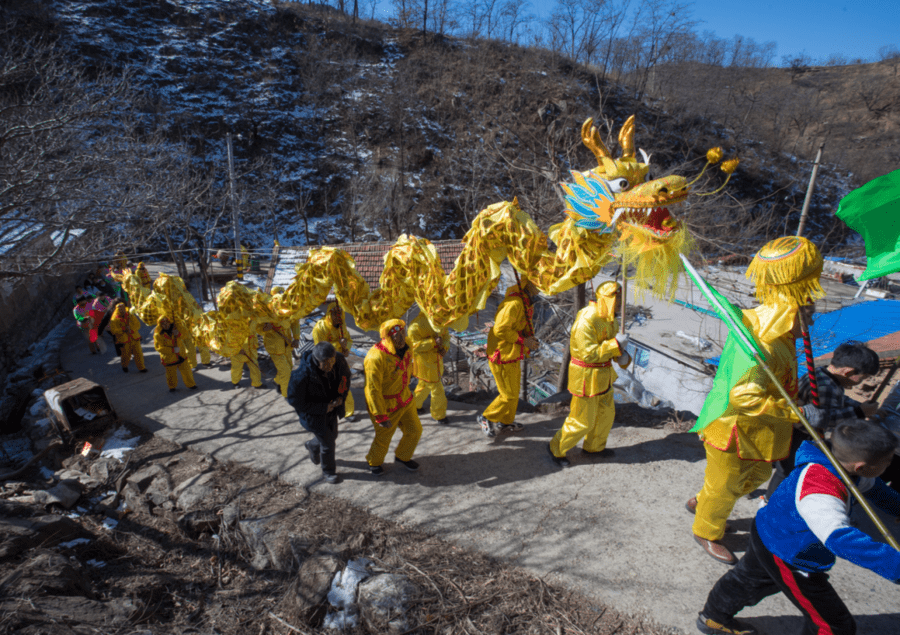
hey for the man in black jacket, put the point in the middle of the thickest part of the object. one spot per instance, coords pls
(317, 390)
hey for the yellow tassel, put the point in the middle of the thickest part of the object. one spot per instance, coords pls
(787, 269)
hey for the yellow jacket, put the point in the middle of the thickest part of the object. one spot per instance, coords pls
(124, 326)
(274, 339)
(325, 331)
(593, 346)
(165, 344)
(428, 361)
(387, 379)
(758, 423)
(512, 324)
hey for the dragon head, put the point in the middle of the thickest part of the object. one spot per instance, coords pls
(619, 196)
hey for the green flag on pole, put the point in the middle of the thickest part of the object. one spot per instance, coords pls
(738, 355)
(873, 211)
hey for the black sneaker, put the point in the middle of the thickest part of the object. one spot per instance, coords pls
(410, 465)
(443, 421)
(603, 454)
(143, 370)
(194, 387)
(421, 410)
(350, 418)
(515, 426)
(314, 455)
(124, 369)
(488, 427)
(376, 470)
(331, 478)
(731, 627)
(561, 461)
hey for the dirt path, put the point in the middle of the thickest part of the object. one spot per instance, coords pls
(615, 530)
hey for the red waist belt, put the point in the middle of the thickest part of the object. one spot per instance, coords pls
(399, 403)
(584, 364)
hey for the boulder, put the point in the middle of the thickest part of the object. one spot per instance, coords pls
(20, 534)
(193, 491)
(304, 600)
(65, 494)
(47, 573)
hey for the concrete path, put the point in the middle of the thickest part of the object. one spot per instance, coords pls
(615, 530)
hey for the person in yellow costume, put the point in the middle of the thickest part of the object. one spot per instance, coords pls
(755, 430)
(332, 329)
(594, 344)
(126, 328)
(388, 367)
(249, 355)
(510, 341)
(277, 341)
(429, 347)
(169, 343)
(295, 325)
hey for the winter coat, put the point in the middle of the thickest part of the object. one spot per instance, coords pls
(310, 390)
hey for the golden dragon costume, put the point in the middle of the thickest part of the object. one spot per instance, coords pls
(613, 210)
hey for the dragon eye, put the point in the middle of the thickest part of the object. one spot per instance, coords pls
(618, 185)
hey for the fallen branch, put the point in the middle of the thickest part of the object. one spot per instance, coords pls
(285, 624)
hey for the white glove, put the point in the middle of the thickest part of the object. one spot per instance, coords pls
(624, 359)
(622, 339)
(815, 415)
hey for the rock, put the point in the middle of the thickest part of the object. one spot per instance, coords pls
(47, 573)
(65, 494)
(305, 597)
(100, 469)
(384, 601)
(158, 491)
(193, 491)
(56, 611)
(87, 482)
(200, 521)
(231, 513)
(134, 500)
(21, 534)
(144, 476)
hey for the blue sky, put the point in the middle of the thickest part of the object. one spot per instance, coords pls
(822, 27)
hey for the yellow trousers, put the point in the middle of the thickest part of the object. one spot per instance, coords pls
(728, 477)
(590, 418)
(349, 404)
(438, 397)
(283, 366)
(205, 356)
(133, 349)
(408, 422)
(187, 375)
(237, 369)
(509, 379)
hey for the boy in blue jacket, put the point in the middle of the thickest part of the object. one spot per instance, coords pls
(794, 540)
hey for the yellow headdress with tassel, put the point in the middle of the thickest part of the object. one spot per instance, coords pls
(606, 299)
(787, 270)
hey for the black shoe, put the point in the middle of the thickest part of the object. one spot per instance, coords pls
(731, 627)
(443, 421)
(410, 465)
(350, 418)
(515, 426)
(124, 369)
(172, 389)
(376, 470)
(143, 370)
(421, 410)
(235, 385)
(194, 387)
(561, 461)
(331, 478)
(262, 386)
(603, 454)
(314, 455)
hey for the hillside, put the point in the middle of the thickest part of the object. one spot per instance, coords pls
(349, 131)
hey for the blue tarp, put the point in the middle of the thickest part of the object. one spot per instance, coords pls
(863, 322)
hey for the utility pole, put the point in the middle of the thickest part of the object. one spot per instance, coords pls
(809, 190)
(234, 212)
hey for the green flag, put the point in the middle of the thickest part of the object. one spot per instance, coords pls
(873, 211)
(738, 355)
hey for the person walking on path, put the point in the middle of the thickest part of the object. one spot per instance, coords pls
(429, 348)
(796, 538)
(594, 344)
(388, 399)
(509, 342)
(851, 364)
(755, 429)
(82, 314)
(126, 328)
(333, 329)
(169, 343)
(317, 390)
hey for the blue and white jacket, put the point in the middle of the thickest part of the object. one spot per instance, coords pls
(807, 520)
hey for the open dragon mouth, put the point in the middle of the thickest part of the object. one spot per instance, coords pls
(657, 220)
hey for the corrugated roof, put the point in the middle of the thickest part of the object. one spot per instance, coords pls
(369, 259)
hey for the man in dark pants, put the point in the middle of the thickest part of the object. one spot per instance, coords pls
(317, 390)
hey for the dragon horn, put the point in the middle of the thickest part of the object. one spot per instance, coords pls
(626, 138)
(591, 139)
